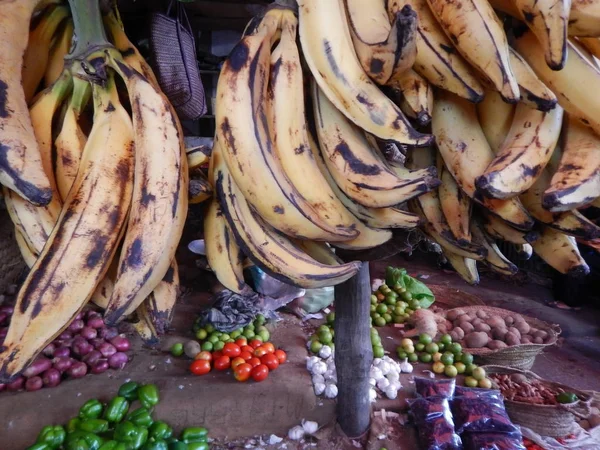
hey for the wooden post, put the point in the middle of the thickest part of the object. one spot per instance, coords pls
(353, 352)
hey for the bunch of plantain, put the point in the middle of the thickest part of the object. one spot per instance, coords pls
(97, 184)
(486, 104)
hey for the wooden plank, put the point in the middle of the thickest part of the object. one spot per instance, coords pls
(353, 352)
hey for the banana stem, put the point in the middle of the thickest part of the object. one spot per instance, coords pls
(89, 28)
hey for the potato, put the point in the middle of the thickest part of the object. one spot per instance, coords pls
(483, 327)
(467, 327)
(527, 339)
(519, 318)
(455, 336)
(523, 327)
(538, 340)
(496, 322)
(469, 317)
(496, 345)
(460, 333)
(515, 331)
(477, 339)
(509, 320)
(511, 339)
(499, 333)
(454, 314)
(540, 333)
(476, 321)
(482, 314)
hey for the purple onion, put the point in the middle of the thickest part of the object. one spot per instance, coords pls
(65, 335)
(62, 364)
(92, 357)
(97, 342)
(34, 384)
(88, 333)
(120, 342)
(49, 350)
(38, 366)
(3, 332)
(107, 349)
(3, 317)
(62, 352)
(2, 387)
(118, 360)
(100, 366)
(76, 326)
(96, 322)
(91, 314)
(64, 342)
(108, 333)
(8, 310)
(16, 385)
(82, 348)
(77, 370)
(51, 378)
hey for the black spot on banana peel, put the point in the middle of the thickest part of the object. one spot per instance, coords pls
(376, 65)
(98, 252)
(542, 104)
(134, 256)
(238, 57)
(4, 112)
(128, 52)
(356, 165)
(339, 74)
(110, 107)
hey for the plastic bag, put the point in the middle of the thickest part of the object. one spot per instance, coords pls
(493, 441)
(428, 387)
(484, 413)
(462, 391)
(231, 311)
(276, 293)
(434, 423)
(315, 300)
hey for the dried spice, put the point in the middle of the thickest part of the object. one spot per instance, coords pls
(428, 387)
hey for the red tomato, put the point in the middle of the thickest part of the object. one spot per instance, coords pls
(281, 356)
(270, 360)
(236, 362)
(260, 352)
(260, 372)
(247, 348)
(246, 356)
(269, 347)
(223, 363)
(232, 350)
(254, 361)
(216, 355)
(241, 341)
(204, 355)
(242, 372)
(255, 343)
(200, 367)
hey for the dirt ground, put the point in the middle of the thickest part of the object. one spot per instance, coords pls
(236, 413)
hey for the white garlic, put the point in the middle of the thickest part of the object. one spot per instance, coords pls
(375, 372)
(394, 384)
(391, 393)
(372, 381)
(376, 362)
(319, 367)
(384, 367)
(318, 378)
(319, 388)
(309, 426)
(325, 352)
(393, 375)
(330, 375)
(372, 395)
(331, 391)
(296, 433)
(405, 366)
(383, 383)
(310, 362)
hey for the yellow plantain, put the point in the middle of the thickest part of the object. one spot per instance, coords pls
(499, 229)
(197, 156)
(144, 326)
(495, 117)
(329, 53)
(456, 206)
(524, 153)
(160, 196)
(465, 267)
(560, 252)
(161, 302)
(494, 259)
(524, 251)
(417, 95)
(199, 189)
(533, 91)
(320, 251)
(28, 255)
(584, 19)
(79, 250)
(592, 45)
(576, 181)
(58, 52)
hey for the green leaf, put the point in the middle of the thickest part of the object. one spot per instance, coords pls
(419, 291)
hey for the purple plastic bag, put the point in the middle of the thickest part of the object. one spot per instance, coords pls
(434, 423)
(480, 414)
(493, 441)
(431, 387)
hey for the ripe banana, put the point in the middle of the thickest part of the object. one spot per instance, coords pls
(478, 35)
(222, 252)
(437, 60)
(199, 189)
(80, 248)
(417, 95)
(144, 326)
(319, 251)
(465, 267)
(71, 139)
(569, 222)
(533, 91)
(36, 55)
(523, 154)
(584, 19)
(159, 204)
(574, 97)
(592, 45)
(285, 111)
(467, 154)
(495, 117)
(161, 301)
(28, 255)
(356, 166)
(456, 206)
(197, 156)
(328, 50)
(269, 250)
(499, 229)
(524, 251)
(494, 259)
(576, 182)
(383, 48)
(20, 163)
(560, 251)
(59, 50)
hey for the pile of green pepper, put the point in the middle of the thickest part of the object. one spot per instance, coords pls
(114, 427)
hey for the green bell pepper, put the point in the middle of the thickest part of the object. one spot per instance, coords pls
(94, 425)
(129, 390)
(134, 436)
(52, 435)
(40, 446)
(156, 445)
(92, 409)
(148, 395)
(113, 445)
(73, 424)
(140, 438)
(178, 446)
(160, 430)
(83, 440)
(194, 434)
(116, 409)
(197, 446)
(141, 417)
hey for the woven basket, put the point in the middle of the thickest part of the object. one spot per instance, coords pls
(546, 420)
(447, 297)
(517, 356)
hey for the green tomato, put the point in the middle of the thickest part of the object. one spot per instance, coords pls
(325, 336)
(390, 301)
(207, 346)
(213, 339)
(374, 300)
(441, 346)
(401, 353)
(479, 373)
(455, 348)
(373, 308)
(378, 351)
(261, 319)
(387, 317)
(397, 319)
(322, 328)
(446, 339)
(471, 382)
(432, 348)
(420, 347)
(450, 371)
(413, 357)
(201, 334)
(402, 304)
(177, 349)
(331, 317)
(380, 322)
(316, 346)
(217, 346)
(209, 328)
(447, 358)
(398, 310)
(409, 311)
(376, 339)
(224, 337)
(425, 357)
(235, 334)
(406, 296)
(382, 308)
(248, 334)
(414, 304)
(460, 367)
(264, 335)
(467, 358)
(469, 368)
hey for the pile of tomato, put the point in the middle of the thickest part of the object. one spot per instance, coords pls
(254, 359)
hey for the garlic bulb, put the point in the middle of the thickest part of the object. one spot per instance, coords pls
(372, 381)
(383, 383)
(375, 372)
(330, 375)
(391, 393)
(310, 362)
(319, 367)
(405, 366)
(331, 391)
(296, 433)
(394, 384)
(384, 367)
(319, 388)
(318, 378)
(376, 362)
(372, 395)
(393, 375)
(325, 352)
(310, 427)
